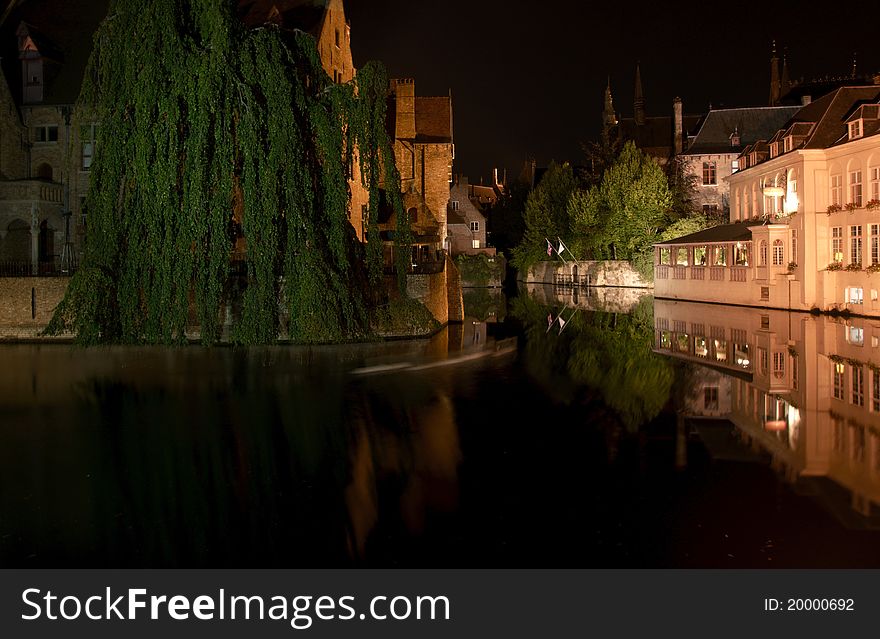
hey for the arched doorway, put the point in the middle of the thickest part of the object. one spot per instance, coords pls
(17, 245)
(44, 172)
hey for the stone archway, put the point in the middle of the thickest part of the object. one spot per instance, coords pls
(16, 246)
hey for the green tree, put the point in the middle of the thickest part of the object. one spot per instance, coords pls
(625, 213)
(546, 215)
(204, 117)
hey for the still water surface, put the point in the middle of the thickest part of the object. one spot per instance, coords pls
(642, 434)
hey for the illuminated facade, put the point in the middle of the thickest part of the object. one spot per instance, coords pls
(806, 211)
(805, 390)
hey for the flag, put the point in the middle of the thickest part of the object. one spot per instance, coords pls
(561, 247)
(549, 249)
(561, 324)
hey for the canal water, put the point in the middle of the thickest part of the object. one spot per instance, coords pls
(559, 429)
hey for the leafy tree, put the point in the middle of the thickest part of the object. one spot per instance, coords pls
(624, 214)
(506, 223)
(546, 215)
(204, 118)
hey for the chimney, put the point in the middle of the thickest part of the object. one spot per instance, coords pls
(806, 99)
(678, 120)
(404, 91)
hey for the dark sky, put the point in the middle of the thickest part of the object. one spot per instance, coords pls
(528, 77)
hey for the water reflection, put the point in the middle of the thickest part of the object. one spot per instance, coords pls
(803, 389)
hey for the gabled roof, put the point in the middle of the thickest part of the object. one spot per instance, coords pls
(305, 15)
(751, 124)
(723, 233)
(657, 133)
(830, 113)
(434, 119)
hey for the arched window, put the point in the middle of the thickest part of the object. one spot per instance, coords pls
(778, 253)
(762, 253)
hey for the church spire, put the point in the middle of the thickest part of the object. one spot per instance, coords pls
(639, 100)
(609, 118)
(786, 82)
(775, 86)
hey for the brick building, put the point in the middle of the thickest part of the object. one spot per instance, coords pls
(423, 149)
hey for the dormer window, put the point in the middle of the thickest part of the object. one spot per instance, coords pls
(734, 138)
(774, 149)
(787, 144)
(855, 129)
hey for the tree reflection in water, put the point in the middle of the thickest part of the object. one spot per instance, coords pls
(606, 354)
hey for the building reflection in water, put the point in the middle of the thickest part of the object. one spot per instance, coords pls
(804, 389)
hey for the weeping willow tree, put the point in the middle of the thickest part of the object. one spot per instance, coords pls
(200, 118)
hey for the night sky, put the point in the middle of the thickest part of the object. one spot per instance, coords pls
(528, 77)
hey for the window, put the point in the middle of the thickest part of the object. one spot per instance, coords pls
(875, 244)
(778, 253)
(855, 335)
(710, 210)
(794, 246)
(454, 204)
(721, 256)
(741, 254)
(787, 144)
(475, 227)
(47, 133)
(855, 244)
(779, 365)
(762, 253)
(837, 190)
(337, 38)
(701, 347)
(700, 256)
(763, 361)
(858, 385)
(734, 166)
(475, 244)
(709, 174)
(855, 129)
(855, 295)
(720, 350)
(837, 380)
(87, 136)
(681, 257)
(855, 187)
(665, 256)
(710, 398)
(837, 244)
(875, 183)
(875, 394)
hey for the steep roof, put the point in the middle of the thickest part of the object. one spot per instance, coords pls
(723, 233)
(62, 30)
(306, 15)
(434, 119)
(752, 124)
(833, 111)
(657, 133)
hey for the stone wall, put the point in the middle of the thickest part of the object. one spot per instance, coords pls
(16, 320)
(440, 293)
(454, 299)
(602, 273)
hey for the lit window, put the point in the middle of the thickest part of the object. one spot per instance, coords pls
(721, 256)
(710, 176)
(681, 257)
(741, 254)
(855, 336)
(665, 256)
(837, 244)
(838, 381)
(735, 166)
(475, 244)
(855, 295)
(700, 256)
(779, 365)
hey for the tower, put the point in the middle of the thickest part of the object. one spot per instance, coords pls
(775, 85)
(639, 99)
(609, 118)
(785, 86)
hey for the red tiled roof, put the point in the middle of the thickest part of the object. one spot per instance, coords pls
(434, 119)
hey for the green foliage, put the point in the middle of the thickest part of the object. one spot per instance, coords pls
(506, 223)
(480, 270)
(484, 303)
(624, 214)
(546, 215)
(200, 116)
(609, 354)
(404, 316)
